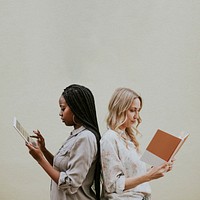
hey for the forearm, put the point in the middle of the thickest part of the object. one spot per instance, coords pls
(133, 182)
(48, 156)
(39, 156)
(153, 173)
(53, 173)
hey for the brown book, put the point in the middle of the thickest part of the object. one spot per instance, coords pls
(163, 147)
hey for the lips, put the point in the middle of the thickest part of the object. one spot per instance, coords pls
(62, 120)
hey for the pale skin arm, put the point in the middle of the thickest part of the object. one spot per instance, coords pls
(153, 173)
(38, 155)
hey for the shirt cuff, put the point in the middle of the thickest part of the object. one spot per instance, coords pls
(120, 185)
(64, 183)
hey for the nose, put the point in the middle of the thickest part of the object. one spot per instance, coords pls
(60, 113)
(136, 116)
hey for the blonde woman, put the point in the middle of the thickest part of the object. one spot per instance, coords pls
(124, 175)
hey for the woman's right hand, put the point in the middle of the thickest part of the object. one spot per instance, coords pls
(40, 140)
(158, 172)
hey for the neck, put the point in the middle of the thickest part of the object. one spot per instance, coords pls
(76, 126)
(122, 128)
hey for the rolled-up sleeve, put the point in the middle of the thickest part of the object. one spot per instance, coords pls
(113, 175)
(81, 156)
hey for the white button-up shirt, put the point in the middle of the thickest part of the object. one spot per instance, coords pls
(120, 160)
(75, 161)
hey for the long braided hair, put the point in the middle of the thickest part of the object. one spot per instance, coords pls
(81, 102)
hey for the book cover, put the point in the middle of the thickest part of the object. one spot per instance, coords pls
(162, 148)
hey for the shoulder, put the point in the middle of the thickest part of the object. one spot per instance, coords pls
(87, 136)
(109, 142)
(110, 136)
(85, 140)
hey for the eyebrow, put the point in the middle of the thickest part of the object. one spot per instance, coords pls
(135, 108)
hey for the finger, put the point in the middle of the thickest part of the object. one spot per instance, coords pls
(169, 166)
(31, 146)
(171, 163)
(37, 132)
(169, 169)
(172, 160)
(33, 136)
(28, 144)
(163, 166)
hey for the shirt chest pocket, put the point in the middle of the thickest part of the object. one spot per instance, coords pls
(62, 158)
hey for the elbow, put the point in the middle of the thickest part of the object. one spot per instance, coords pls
(117, 186)
(66, 185)
(68, 189)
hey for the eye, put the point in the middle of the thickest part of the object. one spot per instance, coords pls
(132, 110)
(62, 109)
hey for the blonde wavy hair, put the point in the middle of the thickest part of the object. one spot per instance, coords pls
(120, 102)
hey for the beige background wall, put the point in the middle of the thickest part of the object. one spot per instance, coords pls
(150, 46)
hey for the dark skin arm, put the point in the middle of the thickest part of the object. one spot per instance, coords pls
(38, 155)
(41, 145)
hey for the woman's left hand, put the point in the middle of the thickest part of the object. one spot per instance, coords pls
(170, 164)
(35, 152)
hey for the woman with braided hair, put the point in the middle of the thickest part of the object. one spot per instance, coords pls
(76, 166)
(124, 175)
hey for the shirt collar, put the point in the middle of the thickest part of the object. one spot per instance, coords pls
(78, 130)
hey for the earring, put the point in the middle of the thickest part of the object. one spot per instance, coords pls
(74, 120)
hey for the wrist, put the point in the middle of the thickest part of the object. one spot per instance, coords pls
(44, 150)
(146, 177)
(41, 160)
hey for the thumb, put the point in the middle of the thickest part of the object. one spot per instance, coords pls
(29, 145)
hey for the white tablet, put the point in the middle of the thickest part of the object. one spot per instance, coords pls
(24, 134)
